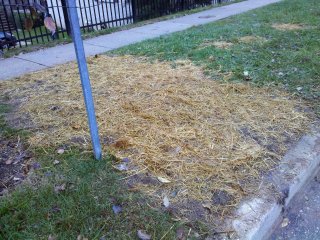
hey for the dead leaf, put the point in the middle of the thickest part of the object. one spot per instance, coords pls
(142, 235)
(207, 206)
(80, 237)
(9, 161)
(60, 188)
(163, 180)
(180, 234)
(28, 24)
(50, 237)
(121, 144)
(76, 126)
(56, 162)
(166, 202)
(285, 222)
(60, 151)
(122, 167)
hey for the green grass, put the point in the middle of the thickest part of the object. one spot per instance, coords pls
(35, 211)
(85, 207)
(289, 59)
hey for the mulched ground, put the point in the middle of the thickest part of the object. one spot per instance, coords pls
(15, 163)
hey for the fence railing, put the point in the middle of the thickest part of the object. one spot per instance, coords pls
(41, 21)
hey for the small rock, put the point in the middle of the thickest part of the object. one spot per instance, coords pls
(306, 198)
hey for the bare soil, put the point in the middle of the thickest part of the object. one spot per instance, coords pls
(15, 163)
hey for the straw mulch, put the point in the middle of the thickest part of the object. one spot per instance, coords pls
(211, 140)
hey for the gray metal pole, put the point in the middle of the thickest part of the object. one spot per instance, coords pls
(84, 75)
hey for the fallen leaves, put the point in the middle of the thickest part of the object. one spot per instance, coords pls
(60, 188)
(163, 180)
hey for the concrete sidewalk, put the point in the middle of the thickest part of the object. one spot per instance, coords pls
(30, 62)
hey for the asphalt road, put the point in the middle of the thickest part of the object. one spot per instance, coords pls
(302, 218)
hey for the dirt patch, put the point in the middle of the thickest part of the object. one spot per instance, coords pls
(14, 164)
(174, 123)
(217, 44)
(250, 39)
(288, 26)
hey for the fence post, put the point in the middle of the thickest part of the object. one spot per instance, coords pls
(84, 76)
(134, 12)
(66, 16)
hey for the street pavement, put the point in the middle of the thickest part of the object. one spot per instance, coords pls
(302, 218)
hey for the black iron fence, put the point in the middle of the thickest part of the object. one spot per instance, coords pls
(31, 22)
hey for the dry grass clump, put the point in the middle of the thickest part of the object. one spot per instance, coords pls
(250, 39)
(208, 139)
(217, 44)
(287, 26)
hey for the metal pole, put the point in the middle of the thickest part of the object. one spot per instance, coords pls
(84, 75)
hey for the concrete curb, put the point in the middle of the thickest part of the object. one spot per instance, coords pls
(256, 218)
